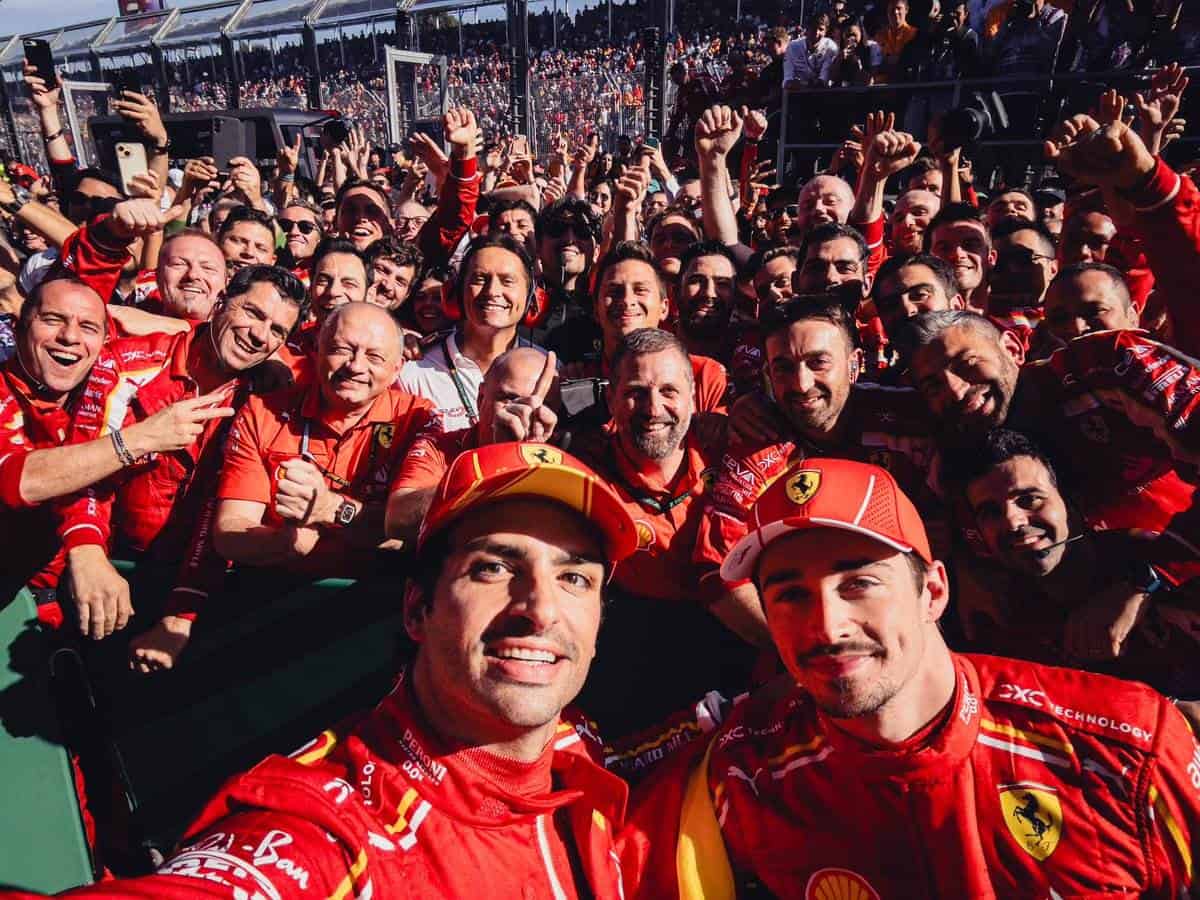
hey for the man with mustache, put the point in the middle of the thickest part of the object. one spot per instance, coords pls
(706, 293)
(888, 766)
(393, 273)
(494, 293)
(1109, 601)
(815, 404)
(1113, 407)
(466, 773)
(157, 508)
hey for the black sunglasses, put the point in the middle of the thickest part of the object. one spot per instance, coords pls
(559, 228)
(791, 212)
(306, 227)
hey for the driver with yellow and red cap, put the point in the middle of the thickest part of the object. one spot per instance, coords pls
(889, 766)
(464, 781)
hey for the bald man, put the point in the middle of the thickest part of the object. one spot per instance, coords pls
(824, 199)
(518, 400)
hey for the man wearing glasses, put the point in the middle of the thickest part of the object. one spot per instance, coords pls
(300, 223)
(1025, 265)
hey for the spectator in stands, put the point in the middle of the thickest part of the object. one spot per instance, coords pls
(494, 292)
(856, 60)
(1029, 41)
(247, 238)
(392, 272)
(810, 58)
(1086, 297)
(770, 77)
(892, 40)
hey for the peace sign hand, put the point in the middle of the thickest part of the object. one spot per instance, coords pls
(528, 418)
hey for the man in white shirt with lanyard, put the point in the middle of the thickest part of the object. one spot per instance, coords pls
(493, 295)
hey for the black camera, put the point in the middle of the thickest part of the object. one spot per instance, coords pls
(982, 116)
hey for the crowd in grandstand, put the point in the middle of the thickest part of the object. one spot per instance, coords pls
(900, 452)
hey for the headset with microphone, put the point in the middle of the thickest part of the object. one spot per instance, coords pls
(452, 291)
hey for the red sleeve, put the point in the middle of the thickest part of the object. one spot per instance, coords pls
(1174, 803)
(244, 474)
(712, 386)
(12, 465)
(249, 854)
(969, 196)
(86, 518)
(454, 214)
(427, 460)
(1168, 219)
(95, 257)
(872, 233)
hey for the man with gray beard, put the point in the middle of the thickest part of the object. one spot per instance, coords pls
(658, 640)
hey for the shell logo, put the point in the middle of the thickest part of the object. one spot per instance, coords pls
(838, 884)
(645, 533)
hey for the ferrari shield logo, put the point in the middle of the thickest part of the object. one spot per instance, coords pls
(540, 455)
(1033, 816)
(384, 435)
(803, 485)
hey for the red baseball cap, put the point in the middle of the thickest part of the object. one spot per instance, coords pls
(505, 471)
(829, 493)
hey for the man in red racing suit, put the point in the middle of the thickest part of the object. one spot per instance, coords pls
(900, 769)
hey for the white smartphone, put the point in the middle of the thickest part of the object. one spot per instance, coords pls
(131, 161)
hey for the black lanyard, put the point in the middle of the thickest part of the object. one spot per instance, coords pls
(647, 500)
(336, 480)
(463, 395)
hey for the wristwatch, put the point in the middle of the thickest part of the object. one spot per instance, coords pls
(345, 513)
(20, 198)
(1145, 577)
(161, 149)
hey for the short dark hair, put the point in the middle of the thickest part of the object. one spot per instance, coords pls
(504, 242)
(353, 183)
(942, 271)
(919, 166)
(706, 248)
(804, 309)
(34, 302)
(832, 231)
(289, 286)
(1009, 227)
(96, 174)
(402, 253)
(951, 214)
(245, 213)
(762, 257)
(624, 251)
(507, 205)
(644, 341)
(331, 245)
(963, 465)
(1014, 190)
(1114, 275)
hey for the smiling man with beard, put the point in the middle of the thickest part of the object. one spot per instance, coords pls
(494, 291)
(706, 292)
(834, 783)
(1115, 408)
(466, 774)
(816, 404)
(163, 500)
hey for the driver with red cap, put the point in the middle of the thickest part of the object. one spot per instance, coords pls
(464, 781)
(888, 766)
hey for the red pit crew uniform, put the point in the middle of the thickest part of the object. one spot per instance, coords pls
(164, 505)
(383, 809)
(886, 426)
(1093, 405)
(1034, 782)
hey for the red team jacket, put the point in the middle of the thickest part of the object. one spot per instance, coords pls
(1035, 782)
(383, 809)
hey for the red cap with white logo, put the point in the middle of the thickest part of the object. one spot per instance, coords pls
(829, 493)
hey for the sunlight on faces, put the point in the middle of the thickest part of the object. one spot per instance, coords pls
(429, 315)
(495, 288)
(1021, 515)
(1086, 238)
(826, 198)
(672, 235)
(64, 336)
(566, 250)
(967, 248)
(362, 217)
(191, 275)
(513, 376)
(1087, 302)
(706, 293)
(392, 283)
(507, 638)
(847, 617)
(811, 366)
(909, 292)
(359, 355)
(968, 379)
(301, 245)
(337, 279)
(518, 224)
(412, 217)
(629, 297)
(250, 327)
(248, 244)
(653, 400)
(910, 218)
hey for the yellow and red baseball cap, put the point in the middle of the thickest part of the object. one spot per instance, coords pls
(829, 493)
(510, 470)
